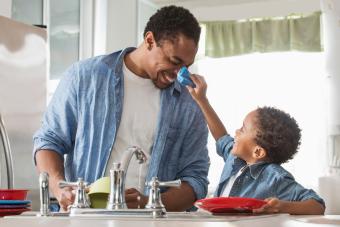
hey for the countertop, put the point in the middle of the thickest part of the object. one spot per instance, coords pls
(226, 221)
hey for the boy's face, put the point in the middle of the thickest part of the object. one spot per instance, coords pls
(164, 61)
(245, 146)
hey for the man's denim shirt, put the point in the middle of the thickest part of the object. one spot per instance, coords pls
(82, 119)
(261, 180)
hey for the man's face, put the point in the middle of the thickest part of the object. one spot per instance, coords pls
(165, 60)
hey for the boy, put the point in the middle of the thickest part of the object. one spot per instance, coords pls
(268, 138)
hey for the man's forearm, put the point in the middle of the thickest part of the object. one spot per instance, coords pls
(50, 162)
(179, 199)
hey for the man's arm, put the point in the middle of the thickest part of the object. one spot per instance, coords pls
(51, 162)
(174, 199)
(57, 133)
(179, 199)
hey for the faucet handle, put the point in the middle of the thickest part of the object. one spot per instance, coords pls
(79, 184)
(155, 201)
(81, 199)
(174, 183)
(155, 183)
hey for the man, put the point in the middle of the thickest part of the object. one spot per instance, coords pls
(131, 97)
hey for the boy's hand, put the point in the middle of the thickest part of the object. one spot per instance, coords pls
(199, 92)
(273, 205)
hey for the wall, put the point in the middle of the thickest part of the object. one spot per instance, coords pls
(121, 25)
(6, 8)
(330, 184)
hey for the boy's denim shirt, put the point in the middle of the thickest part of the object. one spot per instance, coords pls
(261, 180)
(84, 114)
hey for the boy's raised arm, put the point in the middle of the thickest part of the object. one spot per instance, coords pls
(198, 93)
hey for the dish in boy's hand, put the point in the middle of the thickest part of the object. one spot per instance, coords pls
(229, 204)
(183, 77)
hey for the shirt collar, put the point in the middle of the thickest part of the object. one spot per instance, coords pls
(254, 169)
(257, 168)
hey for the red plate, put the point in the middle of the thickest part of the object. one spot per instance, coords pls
(13, 194)
(7, 212)
(229, 204)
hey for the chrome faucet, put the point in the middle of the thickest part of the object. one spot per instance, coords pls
(117, 176)
(44, 194)
(7, 153)
(155, 202)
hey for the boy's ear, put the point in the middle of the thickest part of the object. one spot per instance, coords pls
(259, 153)
(149, 40)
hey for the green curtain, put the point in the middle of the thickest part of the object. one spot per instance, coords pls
(228, 38)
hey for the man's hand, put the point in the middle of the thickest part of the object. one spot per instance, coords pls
(273, 205)
(51, 162)
(134, 199)
(65, 196)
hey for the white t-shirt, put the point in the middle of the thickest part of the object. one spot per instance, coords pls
(231, 182)
(141, 106)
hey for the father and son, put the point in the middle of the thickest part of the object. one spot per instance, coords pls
(106, 104)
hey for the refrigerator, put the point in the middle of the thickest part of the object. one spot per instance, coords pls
(23, 94)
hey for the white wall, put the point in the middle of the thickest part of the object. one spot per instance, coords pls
(330, 184)
(121, 25)
(6, 8)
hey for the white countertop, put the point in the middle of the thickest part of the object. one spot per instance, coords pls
(226, 221)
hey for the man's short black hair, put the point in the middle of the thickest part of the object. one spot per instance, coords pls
(170, 21)
(278, 133)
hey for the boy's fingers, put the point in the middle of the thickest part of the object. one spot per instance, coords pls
(190, 89)
(197, 78)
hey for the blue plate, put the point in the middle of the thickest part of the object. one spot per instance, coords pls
(16, 202)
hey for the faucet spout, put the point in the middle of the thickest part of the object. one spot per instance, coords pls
(128, 154)
(117, 177)
(44, 194)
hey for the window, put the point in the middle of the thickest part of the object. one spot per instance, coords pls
(291, 81)
(64, 35)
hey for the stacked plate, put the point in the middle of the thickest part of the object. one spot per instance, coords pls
(13, 202)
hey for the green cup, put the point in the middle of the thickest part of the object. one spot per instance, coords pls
(99, 192)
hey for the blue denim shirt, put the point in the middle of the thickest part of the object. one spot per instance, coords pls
(261, 180)
(83, 116)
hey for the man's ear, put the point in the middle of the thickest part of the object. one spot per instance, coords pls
(259, 152)
(149, 40)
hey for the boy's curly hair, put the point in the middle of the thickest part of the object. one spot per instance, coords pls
(170, 21)
(278, 133)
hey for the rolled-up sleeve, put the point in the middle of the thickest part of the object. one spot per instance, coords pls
(224, 146)
(59, 123)
(194, 163)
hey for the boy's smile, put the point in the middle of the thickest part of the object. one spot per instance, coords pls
(244, 143)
